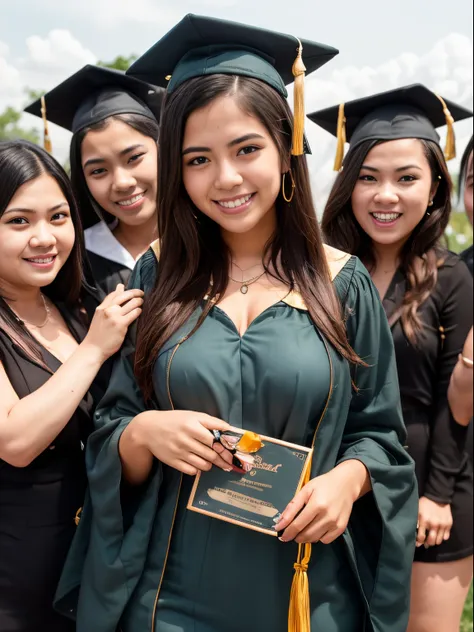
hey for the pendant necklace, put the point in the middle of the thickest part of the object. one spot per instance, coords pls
(43, 324)
(244, 285)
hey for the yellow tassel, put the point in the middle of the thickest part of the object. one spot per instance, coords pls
(77, 519)
(46, 140)
(450, 149)
(299, 615)
(341, 138)
(299, 70)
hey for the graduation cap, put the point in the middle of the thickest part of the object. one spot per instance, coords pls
(93, 94)
(199, 46)
(409, 112)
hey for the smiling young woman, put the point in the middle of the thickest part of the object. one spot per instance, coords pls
(390, 206)
(114, 164)
(51, 351)
(249, 321)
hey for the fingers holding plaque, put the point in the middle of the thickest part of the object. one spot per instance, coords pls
(241, 448)
(266, 475)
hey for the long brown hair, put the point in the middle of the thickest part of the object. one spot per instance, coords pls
(193, 251)
(22, 162)
(422, 253)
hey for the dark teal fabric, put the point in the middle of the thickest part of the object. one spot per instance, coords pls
(152, 560)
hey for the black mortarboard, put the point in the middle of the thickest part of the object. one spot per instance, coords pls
(409, 112)
(95, 93)
(199, 46)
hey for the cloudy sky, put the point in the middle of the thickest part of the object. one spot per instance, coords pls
(383, 45)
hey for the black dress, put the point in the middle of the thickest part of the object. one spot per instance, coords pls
(435, 441)
(38, 503)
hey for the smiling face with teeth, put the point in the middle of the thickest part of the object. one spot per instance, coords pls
(36, 236)
(393, 191)
(121, 171)
(231, 167)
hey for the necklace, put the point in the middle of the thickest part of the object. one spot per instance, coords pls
(244, 285)
(244, 269)
(43, 324)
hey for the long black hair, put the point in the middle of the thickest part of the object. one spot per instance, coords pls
(22, 162)
(90, 210)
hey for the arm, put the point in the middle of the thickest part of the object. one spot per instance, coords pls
(139, 435)
(448, 438)
(29, 425)
(460, 392)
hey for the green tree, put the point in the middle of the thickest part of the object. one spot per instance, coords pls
(119, 63)
(10, 128)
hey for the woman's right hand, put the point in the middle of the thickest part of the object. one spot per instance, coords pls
(112, 319)
(435, 521)
(182, 439)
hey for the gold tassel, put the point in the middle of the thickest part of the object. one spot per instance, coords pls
(450, 149)
(46, 139)
(299, 70)
(341, 138)
(299, 615)
(77, 519)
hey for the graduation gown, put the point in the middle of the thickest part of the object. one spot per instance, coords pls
(152, 565)
(435, 441)
(109, 262)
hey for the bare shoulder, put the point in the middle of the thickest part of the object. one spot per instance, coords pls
(336, 259)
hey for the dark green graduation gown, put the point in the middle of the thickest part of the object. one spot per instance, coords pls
(151, 565)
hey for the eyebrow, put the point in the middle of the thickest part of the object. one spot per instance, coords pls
(237, 141)
(124, 152)
(31, 211)
(405, 168)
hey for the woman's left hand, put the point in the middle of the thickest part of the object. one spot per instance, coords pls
(325, 504)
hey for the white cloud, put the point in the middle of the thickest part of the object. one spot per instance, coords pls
(59, 50)
(109, 14)
(4, 49)
(199, 5)
(11, 86)
(47, 61)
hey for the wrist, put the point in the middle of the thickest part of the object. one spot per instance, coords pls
(92, 353)
(139, 429)
(356, 477)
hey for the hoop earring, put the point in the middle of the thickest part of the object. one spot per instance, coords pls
(283, 187)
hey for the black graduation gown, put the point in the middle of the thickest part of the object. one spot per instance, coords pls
(38, 503)
(468, 257)
(108, 262)
(107, 274)
(435, 441)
